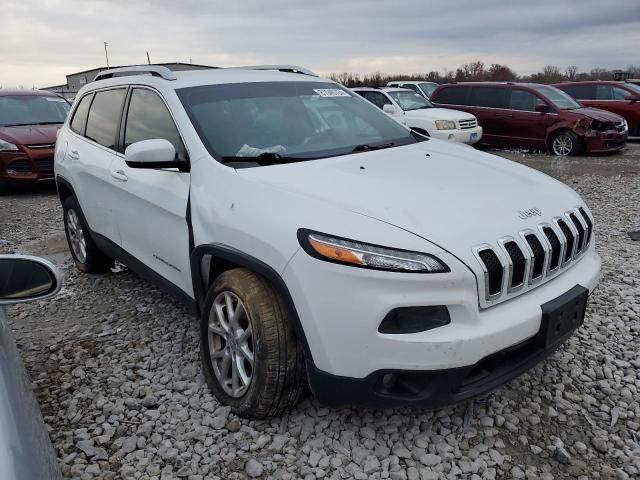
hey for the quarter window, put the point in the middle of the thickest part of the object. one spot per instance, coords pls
(104, 117)
(620, 93)
(80, 115)
(148, 118)
(609, 92)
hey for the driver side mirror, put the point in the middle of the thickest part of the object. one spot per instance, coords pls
(389, 109)
(155, 153)
(542, 108)
(632, 98)
(24, 278)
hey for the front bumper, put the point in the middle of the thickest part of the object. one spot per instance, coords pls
(603, 142)
(467, 135)
(27, 165)
(436, 388)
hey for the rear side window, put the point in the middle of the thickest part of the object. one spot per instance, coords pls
(148, 118)
(492, 97)
(609, 92)
(580, 92)
(104, 117)
(453, 95)
(80, 115)
(378, 99)
(523, 100)
(410, 86)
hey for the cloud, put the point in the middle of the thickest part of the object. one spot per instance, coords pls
(40, 41)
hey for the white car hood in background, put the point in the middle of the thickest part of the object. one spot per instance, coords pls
(451, 195)
(437, 114)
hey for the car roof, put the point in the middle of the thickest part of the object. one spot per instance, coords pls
(592, 82)
(15, 92)
(382, 89)
(413, 82)
(195, 78)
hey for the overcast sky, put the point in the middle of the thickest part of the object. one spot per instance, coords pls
(42, 40)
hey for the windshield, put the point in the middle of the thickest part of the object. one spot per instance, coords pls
(428, 88)
(556, 96)
(32, 110)
(305, 120)
(410, 100)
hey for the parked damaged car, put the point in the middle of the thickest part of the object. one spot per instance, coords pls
(535, 116)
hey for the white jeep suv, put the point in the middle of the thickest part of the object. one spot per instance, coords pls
(320, 241)
(419, 114)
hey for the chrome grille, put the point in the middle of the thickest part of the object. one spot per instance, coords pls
(536, 254)
(468, 123)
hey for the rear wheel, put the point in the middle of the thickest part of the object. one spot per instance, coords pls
(565, 143)
(251, 357)
(86, 254)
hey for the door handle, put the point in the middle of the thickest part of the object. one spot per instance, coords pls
(119, 175)
(74, 155)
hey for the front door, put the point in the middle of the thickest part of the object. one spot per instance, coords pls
(528, 128)
(152, 205)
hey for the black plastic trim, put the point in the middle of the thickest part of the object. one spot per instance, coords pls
(61, 180)
(303, 237)
(230, 254)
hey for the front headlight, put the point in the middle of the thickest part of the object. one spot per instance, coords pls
(7, 147)
(445, 125)
(358, 254)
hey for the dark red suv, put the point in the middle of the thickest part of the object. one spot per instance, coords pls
(535, 116)
(29, 120)
(622, 98)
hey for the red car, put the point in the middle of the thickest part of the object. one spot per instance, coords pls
(534, 116)
(29, 120)
(622, 98)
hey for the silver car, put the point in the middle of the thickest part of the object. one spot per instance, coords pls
(25, 449)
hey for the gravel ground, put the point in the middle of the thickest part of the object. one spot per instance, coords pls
(116, 371)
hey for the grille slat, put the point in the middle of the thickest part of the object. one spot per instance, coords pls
(556, 248)
(45, 165)
(589, 223)
(538, 256)
(519, 264)
(468, 123)
(569, 239)
(495, 270)
(581, 232)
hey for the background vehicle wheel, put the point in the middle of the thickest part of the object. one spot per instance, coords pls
(565, 143)
(251, 357)
(86, 255)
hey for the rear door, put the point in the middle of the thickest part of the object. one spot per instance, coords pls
(151, 209)
(90, 153)
(489, 106)
(612, 98)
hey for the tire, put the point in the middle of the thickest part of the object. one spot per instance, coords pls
(565, 143)
(86, 254)
(275, 380)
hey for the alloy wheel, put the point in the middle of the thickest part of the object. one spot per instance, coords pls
(231, 346)
(76, 236)
(562, 145)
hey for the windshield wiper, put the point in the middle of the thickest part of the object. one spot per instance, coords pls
(366, 147)
(266, 158)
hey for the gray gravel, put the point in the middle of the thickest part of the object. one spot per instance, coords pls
(116, 370)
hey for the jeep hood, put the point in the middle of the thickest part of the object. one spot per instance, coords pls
(452, 195)
(30, 134)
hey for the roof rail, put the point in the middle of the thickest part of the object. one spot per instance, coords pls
(154, 70)
(279, 68)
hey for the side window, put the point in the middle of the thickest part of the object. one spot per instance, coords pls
(79, 120)
(492, 97)
(604, 92)
(581, 92)
(379, 99)
(148, 118)
(412, 87)
(104, 117)
(620, 93)
(523, 100)
(454, 95)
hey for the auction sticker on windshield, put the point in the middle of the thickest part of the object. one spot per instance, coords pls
(331, 92)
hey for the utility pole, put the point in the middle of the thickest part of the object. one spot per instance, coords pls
(106, 54)
(148, 59)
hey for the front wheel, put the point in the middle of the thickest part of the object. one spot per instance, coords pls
(251, 357)
(565, 143)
